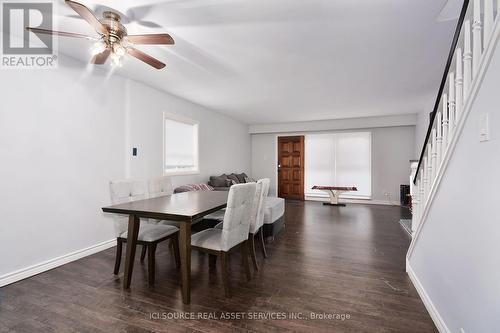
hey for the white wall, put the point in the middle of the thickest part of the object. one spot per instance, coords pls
(61, 141)
(456, 257)
(392, 149)
(64, 134)
(224, 142)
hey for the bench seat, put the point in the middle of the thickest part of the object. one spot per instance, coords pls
(273, 216)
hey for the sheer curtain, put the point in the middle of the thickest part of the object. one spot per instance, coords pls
(340, 159)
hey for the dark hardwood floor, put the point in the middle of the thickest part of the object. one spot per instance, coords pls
(341, 260)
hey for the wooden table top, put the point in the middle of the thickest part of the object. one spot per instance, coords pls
(187, 206)
(335, 188)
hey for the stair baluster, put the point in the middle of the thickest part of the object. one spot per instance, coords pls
(422, 193)
(488, 21)
(429, 169)
(451, 106)
(426, 180)
(415, 208)
(433, 152)
(467, 60)
(439, 140)
(458, 85)
(445, 122)
(477, 47)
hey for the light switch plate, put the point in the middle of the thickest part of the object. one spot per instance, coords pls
(484, 127)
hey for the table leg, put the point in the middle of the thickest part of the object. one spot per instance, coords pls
(185, 251)
(333, 198)
(133, 231)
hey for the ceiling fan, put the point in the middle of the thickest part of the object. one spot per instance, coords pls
(113, 40)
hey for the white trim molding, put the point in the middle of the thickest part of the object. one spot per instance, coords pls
(27, 272)
(335, 124)
(433, 312)
(354, 201)
(489, 51)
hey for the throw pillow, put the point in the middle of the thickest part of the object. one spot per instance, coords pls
(241, 177)
(249, 180)
(234, 177)
(218, 181)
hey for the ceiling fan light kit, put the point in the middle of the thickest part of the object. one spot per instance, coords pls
(98, 47)
(113, 40)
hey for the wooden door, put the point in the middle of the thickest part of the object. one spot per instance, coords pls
(291, 167)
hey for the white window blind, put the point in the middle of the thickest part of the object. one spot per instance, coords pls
(319, 161)
(181, 146)
(340, 159)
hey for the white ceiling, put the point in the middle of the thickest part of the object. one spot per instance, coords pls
(265, 61)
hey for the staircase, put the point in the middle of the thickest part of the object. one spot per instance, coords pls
(472, 48)
(453, 257)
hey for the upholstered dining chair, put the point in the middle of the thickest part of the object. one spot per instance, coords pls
(257, 220)
(150, 234)
(159, 187)
(233, 234)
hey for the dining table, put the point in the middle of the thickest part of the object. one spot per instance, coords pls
(187, 208)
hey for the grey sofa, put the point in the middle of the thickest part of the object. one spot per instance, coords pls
(224, 182)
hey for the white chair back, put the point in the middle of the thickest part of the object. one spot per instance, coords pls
(160, 186)
(258, 220)
(238, 215)
(266, 182)
(256, 205)
(122, 191)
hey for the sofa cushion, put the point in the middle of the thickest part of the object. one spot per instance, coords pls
(274, 209)
(218, 181)
(153, 232)
(208, 239)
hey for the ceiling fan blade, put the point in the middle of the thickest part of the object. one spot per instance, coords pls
(158, 39)
(59, 33)
(100, 59)
(146, 58)
(149, 24)
(88, 16)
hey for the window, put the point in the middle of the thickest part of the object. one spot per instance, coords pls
(180, 141)
(340, 159)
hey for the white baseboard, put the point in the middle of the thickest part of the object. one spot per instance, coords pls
(53, 263)
(360, 201)
(433, 312)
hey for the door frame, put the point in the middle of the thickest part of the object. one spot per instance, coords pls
(275, 157)
(276, 160)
